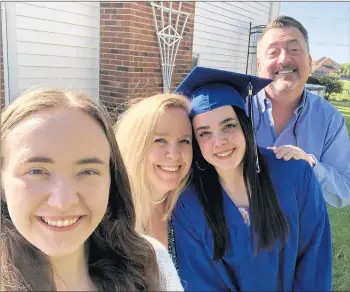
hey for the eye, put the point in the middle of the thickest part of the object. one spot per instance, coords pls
(160, 140)
(230, 126)
(295, 51)
(272, 52)
(203, 134)
(88, 172)
(37, 171)
(185, 141)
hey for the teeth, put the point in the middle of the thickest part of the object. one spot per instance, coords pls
(223, 154)
(285, 71)
(60, 223)
(167, 168)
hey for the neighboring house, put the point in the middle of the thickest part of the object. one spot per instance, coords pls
(110, 49)
(325, 66)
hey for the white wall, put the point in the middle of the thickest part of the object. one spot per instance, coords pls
(53, 44)
(274, 10)
(221, 31)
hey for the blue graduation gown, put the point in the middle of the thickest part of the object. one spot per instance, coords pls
(303, 264)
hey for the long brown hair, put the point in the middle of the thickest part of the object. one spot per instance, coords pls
(118, 257)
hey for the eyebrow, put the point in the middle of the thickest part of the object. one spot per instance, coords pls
(292, 41)
(43, 159)
(221, 123)
(39, 159)
(167, 135)
(92, 160)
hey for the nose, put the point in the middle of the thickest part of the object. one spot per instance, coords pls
(173, 152)
(220, 140)
(63, 195)
(283, 58)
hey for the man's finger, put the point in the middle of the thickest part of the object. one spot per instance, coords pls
(298, 156)
(284, 147)
(284, 151)
(291, 154)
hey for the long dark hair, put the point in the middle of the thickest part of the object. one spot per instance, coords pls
(118, 258)
(267, 219)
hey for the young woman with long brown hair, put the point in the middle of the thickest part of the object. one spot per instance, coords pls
(67, 215)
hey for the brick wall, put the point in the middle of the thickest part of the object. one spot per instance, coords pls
(130, 64)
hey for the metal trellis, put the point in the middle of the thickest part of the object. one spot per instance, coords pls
(254, 33)
(169, 36)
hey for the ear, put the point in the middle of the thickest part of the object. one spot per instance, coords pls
(258, 65)
(310, 63)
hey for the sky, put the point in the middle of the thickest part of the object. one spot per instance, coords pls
(328, 25)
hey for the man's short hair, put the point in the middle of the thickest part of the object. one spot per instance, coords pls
(287, 21)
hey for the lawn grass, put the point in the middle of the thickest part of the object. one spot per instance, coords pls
(340, 222)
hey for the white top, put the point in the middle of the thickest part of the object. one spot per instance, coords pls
(169, 279)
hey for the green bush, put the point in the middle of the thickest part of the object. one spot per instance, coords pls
(333, 85)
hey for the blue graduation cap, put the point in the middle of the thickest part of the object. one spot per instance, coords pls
(212, 88)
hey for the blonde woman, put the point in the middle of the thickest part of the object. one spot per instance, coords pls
(67, 215)
(155, 139)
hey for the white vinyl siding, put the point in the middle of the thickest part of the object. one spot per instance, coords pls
(221, 32)
(54, 44)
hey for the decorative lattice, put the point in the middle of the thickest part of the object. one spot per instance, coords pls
(170, 24)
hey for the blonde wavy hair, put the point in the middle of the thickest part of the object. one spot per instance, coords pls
(119, 259)
(134, 131)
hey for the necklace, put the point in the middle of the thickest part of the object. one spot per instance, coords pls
(159, 201)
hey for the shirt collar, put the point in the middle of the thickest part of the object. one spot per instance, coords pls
(302, 103)
(264, 101)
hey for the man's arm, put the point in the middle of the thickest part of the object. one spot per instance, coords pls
(333, 167)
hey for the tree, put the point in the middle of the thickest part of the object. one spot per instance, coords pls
(345, 70)
(333, 85)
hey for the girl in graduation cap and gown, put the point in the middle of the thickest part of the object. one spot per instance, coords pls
(247, 221)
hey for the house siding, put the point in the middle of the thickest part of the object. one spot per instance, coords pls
(53, 44)
(221, 32)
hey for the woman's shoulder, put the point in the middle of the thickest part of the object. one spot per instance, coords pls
(291, 170)
(188, 201)
(169, 278)
(188, 210)
(189, 195)
(290, 177)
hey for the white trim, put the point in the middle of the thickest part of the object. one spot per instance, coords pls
(4, 52)
(270, 12)
(11, 46)
(98, 51)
